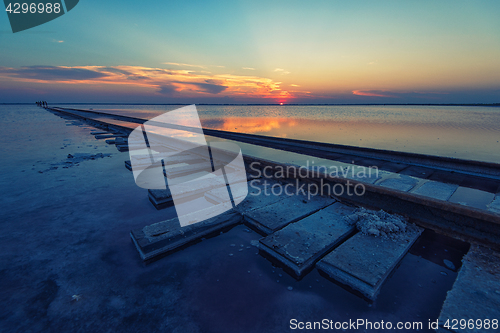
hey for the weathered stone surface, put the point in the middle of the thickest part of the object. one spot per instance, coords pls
(472, 197)
(403, 183)
(476, 292)
(494, 206)
(436, 190)
(163, 237)
(364, 262)
(299, 245)
(279, 214)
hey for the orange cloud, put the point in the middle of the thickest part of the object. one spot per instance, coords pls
(371, 93)
(178, 82)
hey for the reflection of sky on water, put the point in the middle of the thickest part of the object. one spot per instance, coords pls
(454, 131)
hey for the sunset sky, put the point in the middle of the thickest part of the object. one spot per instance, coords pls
(257, 52)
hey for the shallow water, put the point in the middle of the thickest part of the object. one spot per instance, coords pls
(454, 131)
(65, 232)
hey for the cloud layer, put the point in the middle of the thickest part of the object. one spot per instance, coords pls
(169, 82)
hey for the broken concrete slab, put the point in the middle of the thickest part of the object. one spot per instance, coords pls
(364, 262)
(436, 190)
(402, 183)
(472, 197)
(494, 206)
(275, 216)
(299, 245)
(163, 237)
(475, 294)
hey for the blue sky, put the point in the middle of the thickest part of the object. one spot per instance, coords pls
(259, 52)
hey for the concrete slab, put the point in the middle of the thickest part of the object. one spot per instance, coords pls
(293, 208)
(256, 198)
(436, 190)
(299, 245)
(163, 237)
(189, 169)
(365, 174)
(417, 171)
(122, 148)
(448, 177)
(184, 158)
(107, 136)
(475, 296)
(219, 195)
(393, 166)
(364, 262)
(494, 206)
(483, 184)
(403, 183)
(163, 198)
(471, 197)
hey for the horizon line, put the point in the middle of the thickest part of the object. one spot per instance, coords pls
(272, 104)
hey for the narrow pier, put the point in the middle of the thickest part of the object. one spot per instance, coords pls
(456, 198)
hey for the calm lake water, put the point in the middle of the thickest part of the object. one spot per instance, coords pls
(454, 131)
(65, 231)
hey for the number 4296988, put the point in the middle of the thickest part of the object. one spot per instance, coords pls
(453, 324)
(40, 8)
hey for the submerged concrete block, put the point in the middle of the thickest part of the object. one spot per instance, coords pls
(475, 294)
(281, 213)
(299, 245)
(436, 190)
(403, 183)
(364, 262)
(163, 237)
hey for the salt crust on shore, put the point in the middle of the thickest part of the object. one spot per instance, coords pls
(380, 224)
